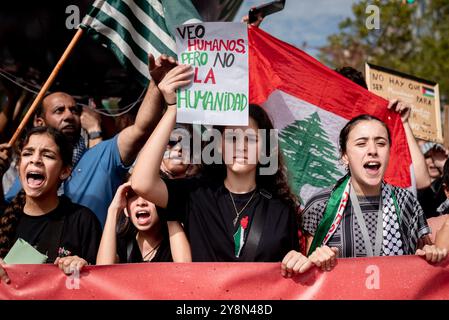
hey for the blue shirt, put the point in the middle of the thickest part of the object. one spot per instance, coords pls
(94, 180)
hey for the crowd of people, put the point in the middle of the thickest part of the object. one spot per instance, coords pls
(134, 198)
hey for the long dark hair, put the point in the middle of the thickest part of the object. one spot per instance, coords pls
(10, 216)
(277, 184)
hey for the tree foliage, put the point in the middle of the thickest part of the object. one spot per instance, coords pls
(412, 38)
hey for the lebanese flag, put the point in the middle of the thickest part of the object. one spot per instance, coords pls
(309, 104)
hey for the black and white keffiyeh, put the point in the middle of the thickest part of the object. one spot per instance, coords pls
(78, 150)
(403, 222)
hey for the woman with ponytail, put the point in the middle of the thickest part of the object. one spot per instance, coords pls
(67, 233)
(362, 215)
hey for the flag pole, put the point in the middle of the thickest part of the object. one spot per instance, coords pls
(46, 85)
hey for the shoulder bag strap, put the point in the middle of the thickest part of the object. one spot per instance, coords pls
(256, 228)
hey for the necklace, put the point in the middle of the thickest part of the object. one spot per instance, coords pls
(151, 251)
(238, 213)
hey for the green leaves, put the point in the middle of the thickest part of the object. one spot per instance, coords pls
(412, 39)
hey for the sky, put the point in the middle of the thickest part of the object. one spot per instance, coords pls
(310, 21)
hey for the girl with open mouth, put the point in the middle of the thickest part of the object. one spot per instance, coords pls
(67, 233)
(362, 216)
(141, 236)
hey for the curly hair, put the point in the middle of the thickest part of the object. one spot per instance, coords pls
(277, 184)
(8, 222)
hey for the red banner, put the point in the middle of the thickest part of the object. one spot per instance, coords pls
(406, 277)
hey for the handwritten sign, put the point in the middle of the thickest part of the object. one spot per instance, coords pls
(422, 95)
(218, 53)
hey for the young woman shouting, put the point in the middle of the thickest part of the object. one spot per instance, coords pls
(362, 215)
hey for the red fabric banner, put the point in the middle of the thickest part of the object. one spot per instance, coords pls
(406, 277)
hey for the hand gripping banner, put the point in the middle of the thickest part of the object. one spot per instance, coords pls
(406, 277)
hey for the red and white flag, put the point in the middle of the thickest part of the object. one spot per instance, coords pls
(310, 103)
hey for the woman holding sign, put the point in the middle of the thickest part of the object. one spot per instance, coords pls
(362, 215)
(68, 233)
(232, 212)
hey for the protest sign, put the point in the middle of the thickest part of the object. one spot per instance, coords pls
(218, 53)
(446, 125)
(423, 95)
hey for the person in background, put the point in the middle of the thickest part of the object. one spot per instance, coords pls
(442, 235)
(176, 163)
(433, 196)
(5, 159)
(438, 153)
(91, 123)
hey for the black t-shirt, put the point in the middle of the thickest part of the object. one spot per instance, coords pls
(70, 229)
(163, 253)
(207, 211)
(431, 198)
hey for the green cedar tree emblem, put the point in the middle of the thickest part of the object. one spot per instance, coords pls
(309, 155)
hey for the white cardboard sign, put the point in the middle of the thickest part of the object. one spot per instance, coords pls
(218, 53)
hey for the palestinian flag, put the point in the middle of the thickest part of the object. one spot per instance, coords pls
(310, 103)
(428, 92)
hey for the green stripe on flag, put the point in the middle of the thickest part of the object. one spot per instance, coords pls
(134, 28)
(154, 31)
(125, 61)
(153, 13)
(238, 241)
(328, 216)
(125, 35)
(179, 12)
(152, 34)
(121, 45)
